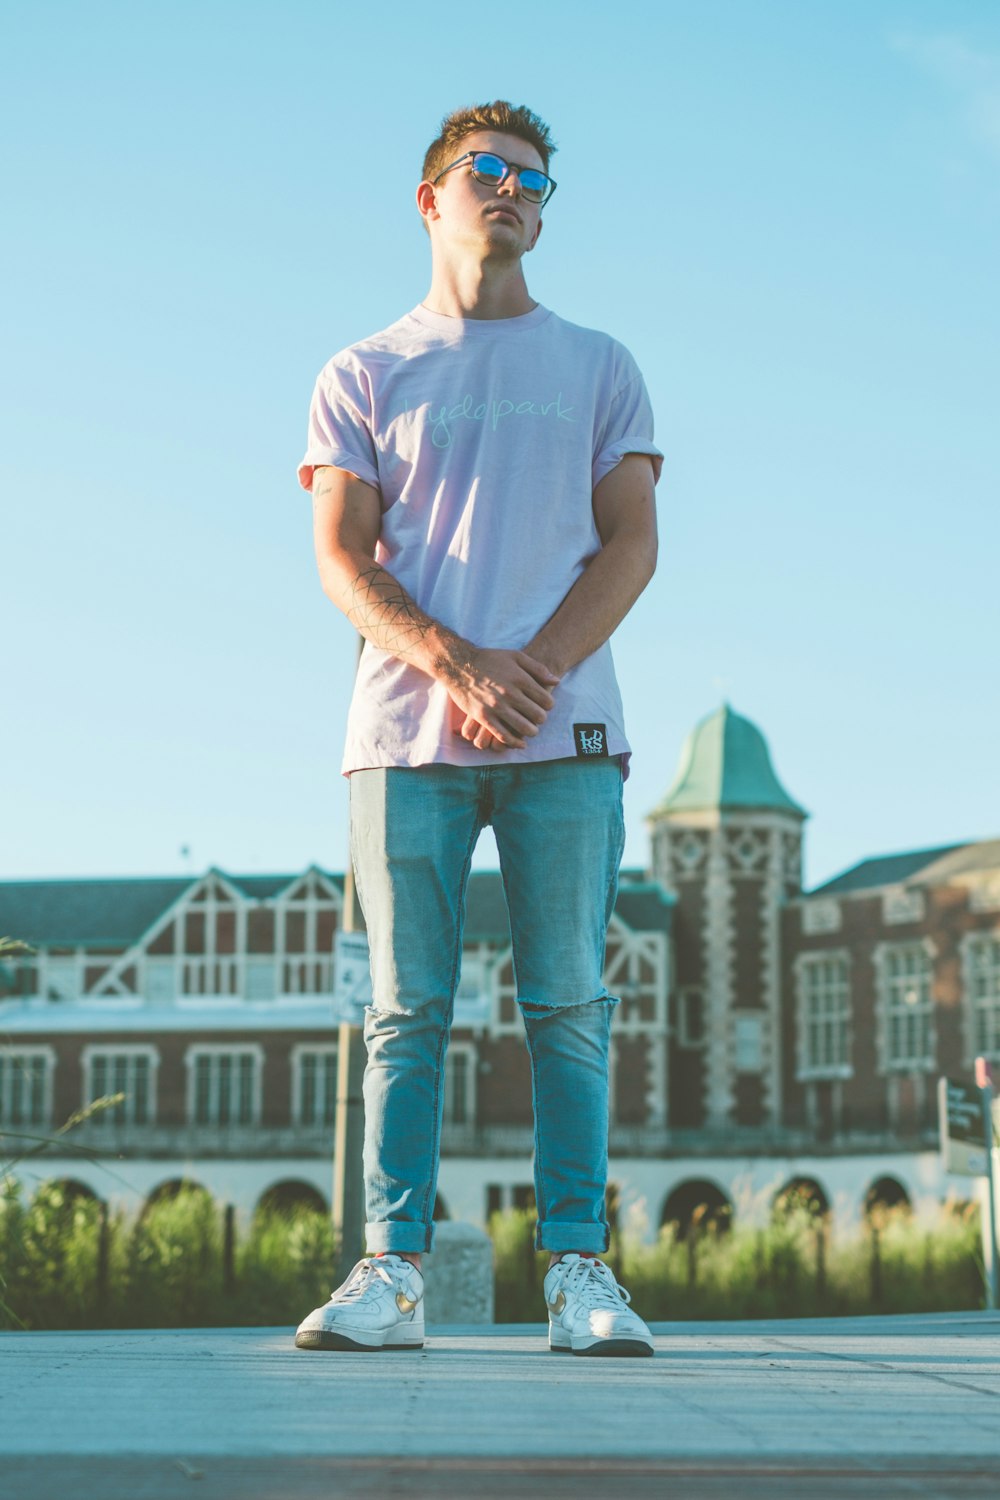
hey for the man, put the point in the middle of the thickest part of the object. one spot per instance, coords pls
(482, 476)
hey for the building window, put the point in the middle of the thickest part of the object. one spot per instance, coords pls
(985, 894)
(26, 1087)
(161, 980)
(224, 1086)
(821, 916)
(824, 997)
(314, 1085)
(905, 971)
(459, 1084)
(983, 981)
(900, 905)
(62, 976)
(121, 1070)
(748, 1036)
(307, 916)
(690, 1016)
(473, 998)
(204, 978)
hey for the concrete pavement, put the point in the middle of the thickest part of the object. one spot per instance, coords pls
(826, 1408)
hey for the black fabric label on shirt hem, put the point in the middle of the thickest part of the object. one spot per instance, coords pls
(591, 739)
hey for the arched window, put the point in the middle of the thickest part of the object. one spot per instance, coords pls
(290, 1197)
(886, 1193)
(801, 1194)
(697, 1204)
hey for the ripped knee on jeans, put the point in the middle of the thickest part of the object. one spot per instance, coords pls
(385, 1013)
(537, 1010)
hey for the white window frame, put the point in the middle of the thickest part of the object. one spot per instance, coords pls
(972, 973)
(160, 963)
(630, 951)
(820, 916)
(839, 1016)
(901, 906)
(469, 1053)
(225, 986)
(216, 1050)
(922, 1007)
(19, 1056)
(299, 1054)
(474, 1004)
(321, 897)
(130, 1050)
(54, 964)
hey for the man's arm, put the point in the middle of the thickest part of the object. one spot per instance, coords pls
(625, 513)
(508, 692)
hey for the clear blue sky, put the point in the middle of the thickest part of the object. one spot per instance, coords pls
(788, 209)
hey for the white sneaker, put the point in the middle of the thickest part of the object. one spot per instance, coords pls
(589, 1311)
(379, 1306)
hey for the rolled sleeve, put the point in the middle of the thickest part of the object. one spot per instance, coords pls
(628, 429)
(339, 430)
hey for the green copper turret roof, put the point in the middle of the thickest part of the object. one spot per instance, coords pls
(726, 764)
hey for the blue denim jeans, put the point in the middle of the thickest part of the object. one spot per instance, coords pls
(559, 832)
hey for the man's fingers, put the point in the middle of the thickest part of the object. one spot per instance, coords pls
(538, 670)
(536, 694)
(511, 731)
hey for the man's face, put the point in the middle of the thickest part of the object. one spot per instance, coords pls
(460, 210)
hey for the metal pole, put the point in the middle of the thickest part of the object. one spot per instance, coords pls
(349, 1120)
(984, 1084)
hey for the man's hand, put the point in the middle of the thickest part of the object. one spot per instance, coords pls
(505, 697)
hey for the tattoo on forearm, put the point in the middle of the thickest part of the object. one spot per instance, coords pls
(385, 614)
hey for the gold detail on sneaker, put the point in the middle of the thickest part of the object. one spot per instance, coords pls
(405, 1303)
(558, 1303)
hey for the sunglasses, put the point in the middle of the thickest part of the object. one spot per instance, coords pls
(491, 170)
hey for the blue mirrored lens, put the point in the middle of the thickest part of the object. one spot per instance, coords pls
(488, 168)
(534, 185)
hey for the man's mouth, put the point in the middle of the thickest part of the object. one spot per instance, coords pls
(511, 213)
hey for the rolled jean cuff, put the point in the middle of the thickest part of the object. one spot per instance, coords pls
(393, 1234)
(560, 1237)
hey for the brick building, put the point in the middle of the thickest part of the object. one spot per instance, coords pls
(766, 1036)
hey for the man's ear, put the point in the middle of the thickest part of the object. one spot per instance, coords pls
(427, 201)
(534, 238)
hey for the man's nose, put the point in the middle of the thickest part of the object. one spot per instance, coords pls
(511, 182)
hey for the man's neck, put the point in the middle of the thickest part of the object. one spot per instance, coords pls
(478, 290)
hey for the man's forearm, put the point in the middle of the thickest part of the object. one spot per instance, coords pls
(380, 608)
(508, 691)
(596, 604)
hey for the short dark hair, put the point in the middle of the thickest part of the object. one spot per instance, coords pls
(510, 119)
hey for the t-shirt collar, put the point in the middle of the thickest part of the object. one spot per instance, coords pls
(479, 327)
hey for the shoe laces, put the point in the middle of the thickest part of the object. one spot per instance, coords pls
(362, 1281)
(596, 1281)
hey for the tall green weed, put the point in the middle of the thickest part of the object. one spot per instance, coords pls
(66, 1262)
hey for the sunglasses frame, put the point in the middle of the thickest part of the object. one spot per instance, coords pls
(509, 167)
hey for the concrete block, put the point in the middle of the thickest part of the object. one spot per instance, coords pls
(458, 1275)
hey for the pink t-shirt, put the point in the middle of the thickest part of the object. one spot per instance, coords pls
(485, 439)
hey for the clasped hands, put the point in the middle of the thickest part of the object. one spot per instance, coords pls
(504, 696)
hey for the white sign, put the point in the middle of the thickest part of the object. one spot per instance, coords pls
(963, 1145)
(352, 978)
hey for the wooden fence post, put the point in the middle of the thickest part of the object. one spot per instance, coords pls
(229, 1250)
(101, 1298)
(876, 1266)
(820, 1262)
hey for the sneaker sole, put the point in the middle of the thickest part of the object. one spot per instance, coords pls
(608, 1349)
(318, 1338)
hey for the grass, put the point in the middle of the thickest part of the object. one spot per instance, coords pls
(66, 1262)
